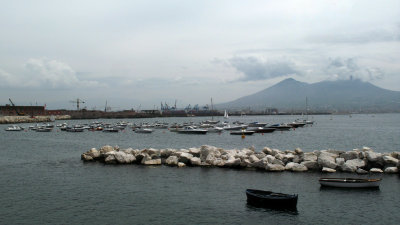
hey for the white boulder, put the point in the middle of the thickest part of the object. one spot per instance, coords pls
(124, 158)
(172, 160)
(361, 171)
(310, 156)
(328, 170)
(352, 165)
(350, 155)
(195, 161)
(373, 156)
(327, 159)
(389, 160)
(295, 167)
(110, 159)
(391, 170)
(274, 167)
(185, 157)
(311, 165)
(152, 162)
(376, 170)
(233, 162)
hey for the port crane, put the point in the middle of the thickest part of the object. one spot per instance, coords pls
(15, 108)
(77, 101)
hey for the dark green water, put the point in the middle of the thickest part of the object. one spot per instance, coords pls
(43, 180)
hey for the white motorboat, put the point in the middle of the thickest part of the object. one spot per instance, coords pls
(14, 128)
(192, 130)
(350, 182)
(257, 124)
(236, 127)
(144, 131)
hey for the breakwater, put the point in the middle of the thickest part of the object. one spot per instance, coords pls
(28, 119)
(359, 161)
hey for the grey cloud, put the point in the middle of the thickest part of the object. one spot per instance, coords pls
(43, 73)
(340, 68)
(255, 69)
(387, 34)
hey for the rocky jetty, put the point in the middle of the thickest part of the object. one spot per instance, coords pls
(29, 119)
(355, 161)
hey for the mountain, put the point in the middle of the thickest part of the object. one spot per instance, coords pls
(341, 95)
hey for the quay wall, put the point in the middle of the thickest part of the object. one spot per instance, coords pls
(361, 161)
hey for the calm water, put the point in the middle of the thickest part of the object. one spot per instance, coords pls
(43, 180)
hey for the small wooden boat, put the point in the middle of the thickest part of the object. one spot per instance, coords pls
(269, 199)
(350, 182)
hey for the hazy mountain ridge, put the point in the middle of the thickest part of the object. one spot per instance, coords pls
(340, 95)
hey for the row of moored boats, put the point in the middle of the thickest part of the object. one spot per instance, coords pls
(208, 126)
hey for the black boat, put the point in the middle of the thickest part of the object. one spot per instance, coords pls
(242, 132)
(269, 199)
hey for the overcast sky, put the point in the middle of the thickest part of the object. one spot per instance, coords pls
(138, 53)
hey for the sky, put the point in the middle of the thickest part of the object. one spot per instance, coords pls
(136, 54)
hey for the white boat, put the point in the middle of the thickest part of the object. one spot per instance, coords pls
(44, 129)
(257, 124)
(110, 129)
(14, 128)
(192, 130)
(237, 127)
(350, 182)
(144, 131)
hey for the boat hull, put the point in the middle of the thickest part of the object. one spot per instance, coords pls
(349, 182)
(242, 132)
(267, 199)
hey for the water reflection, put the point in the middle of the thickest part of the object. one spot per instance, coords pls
(272, 211)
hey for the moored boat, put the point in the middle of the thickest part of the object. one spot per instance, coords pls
(242, 132)
(257, 124)
(111, 129)
(269, 199)
(350, 182)
(262, 129)
(14, 128)
(281, 126)
(215, 129)
(44, 129)
(144, 130)
(192, 130)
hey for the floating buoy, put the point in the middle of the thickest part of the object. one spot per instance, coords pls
(243, 136)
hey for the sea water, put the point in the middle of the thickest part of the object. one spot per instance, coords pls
(43, 180)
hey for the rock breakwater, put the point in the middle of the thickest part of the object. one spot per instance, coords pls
(355, 161)
(28, 119)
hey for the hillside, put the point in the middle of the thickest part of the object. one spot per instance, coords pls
(340, 95)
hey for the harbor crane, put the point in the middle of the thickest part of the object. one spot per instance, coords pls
(15, 108)
(77, 101)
